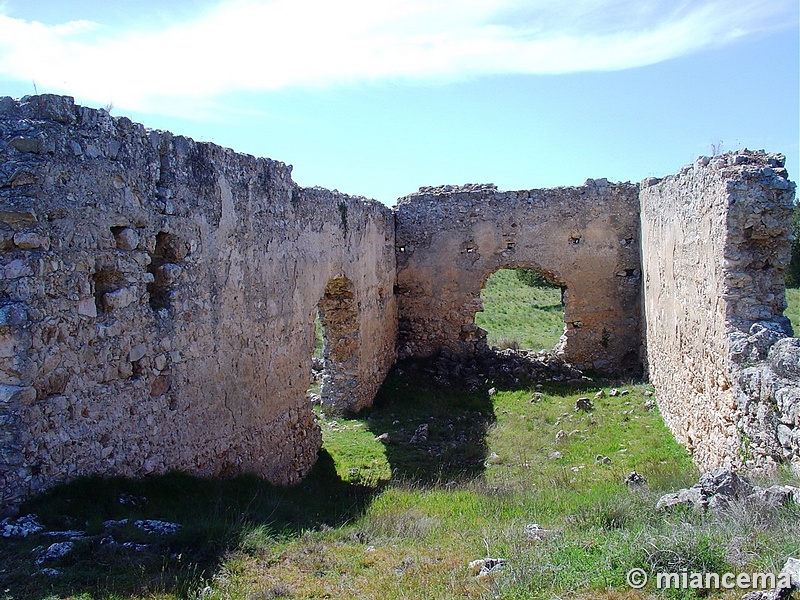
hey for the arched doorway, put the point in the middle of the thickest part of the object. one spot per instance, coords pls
(338, 320)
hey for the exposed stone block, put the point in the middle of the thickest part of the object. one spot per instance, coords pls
(16, 395)
(30, 240)
(12, 315)
(126, 238)
(18, 217)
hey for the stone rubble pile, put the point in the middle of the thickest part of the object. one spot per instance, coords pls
(29, 525)
(20, 527)
(499, 367)
(54, 551)
(768, 364)
(717, 489)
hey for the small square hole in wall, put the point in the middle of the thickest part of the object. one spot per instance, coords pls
(159, 296)
(103, 281)
(138, 369)
(169, 253)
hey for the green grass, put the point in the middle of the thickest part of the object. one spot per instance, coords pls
(793, 308)
(403, 519)
(520, 316)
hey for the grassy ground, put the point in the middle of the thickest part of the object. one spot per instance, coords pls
(793, 309)
(403, 518)
(520, 316)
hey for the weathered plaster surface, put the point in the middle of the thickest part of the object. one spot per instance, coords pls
(715, 249)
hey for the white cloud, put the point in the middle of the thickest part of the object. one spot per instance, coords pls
(251, 45)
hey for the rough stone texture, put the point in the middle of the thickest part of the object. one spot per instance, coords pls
(158, 295)
(586, 239)
(158, 299)
(715, 248)
(717, 489)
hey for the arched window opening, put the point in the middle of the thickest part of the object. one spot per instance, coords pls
(523, 309)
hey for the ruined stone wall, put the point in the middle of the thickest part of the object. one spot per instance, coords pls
(158, 297)
(715, 247)
(450, 239)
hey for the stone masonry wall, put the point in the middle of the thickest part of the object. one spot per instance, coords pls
(158, 297)
(450, 239)
(715, 248)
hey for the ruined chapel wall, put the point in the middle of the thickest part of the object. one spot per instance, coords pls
(715, 247)
(450, 239)
(157, 304)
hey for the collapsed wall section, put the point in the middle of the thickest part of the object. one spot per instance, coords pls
(585, 239)
(715, 247)
(158, 299)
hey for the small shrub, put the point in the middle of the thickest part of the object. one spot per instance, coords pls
(280, 590)
(508, 344)
(409, 524)
(687, 548)
(615, 514)
(534, 279)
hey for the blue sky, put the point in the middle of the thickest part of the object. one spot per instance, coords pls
(379, 98)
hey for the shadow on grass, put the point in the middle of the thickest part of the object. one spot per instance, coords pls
(549, 307)
(437, 432)
(215, 517)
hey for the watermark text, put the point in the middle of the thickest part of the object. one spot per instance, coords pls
(685, 580)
